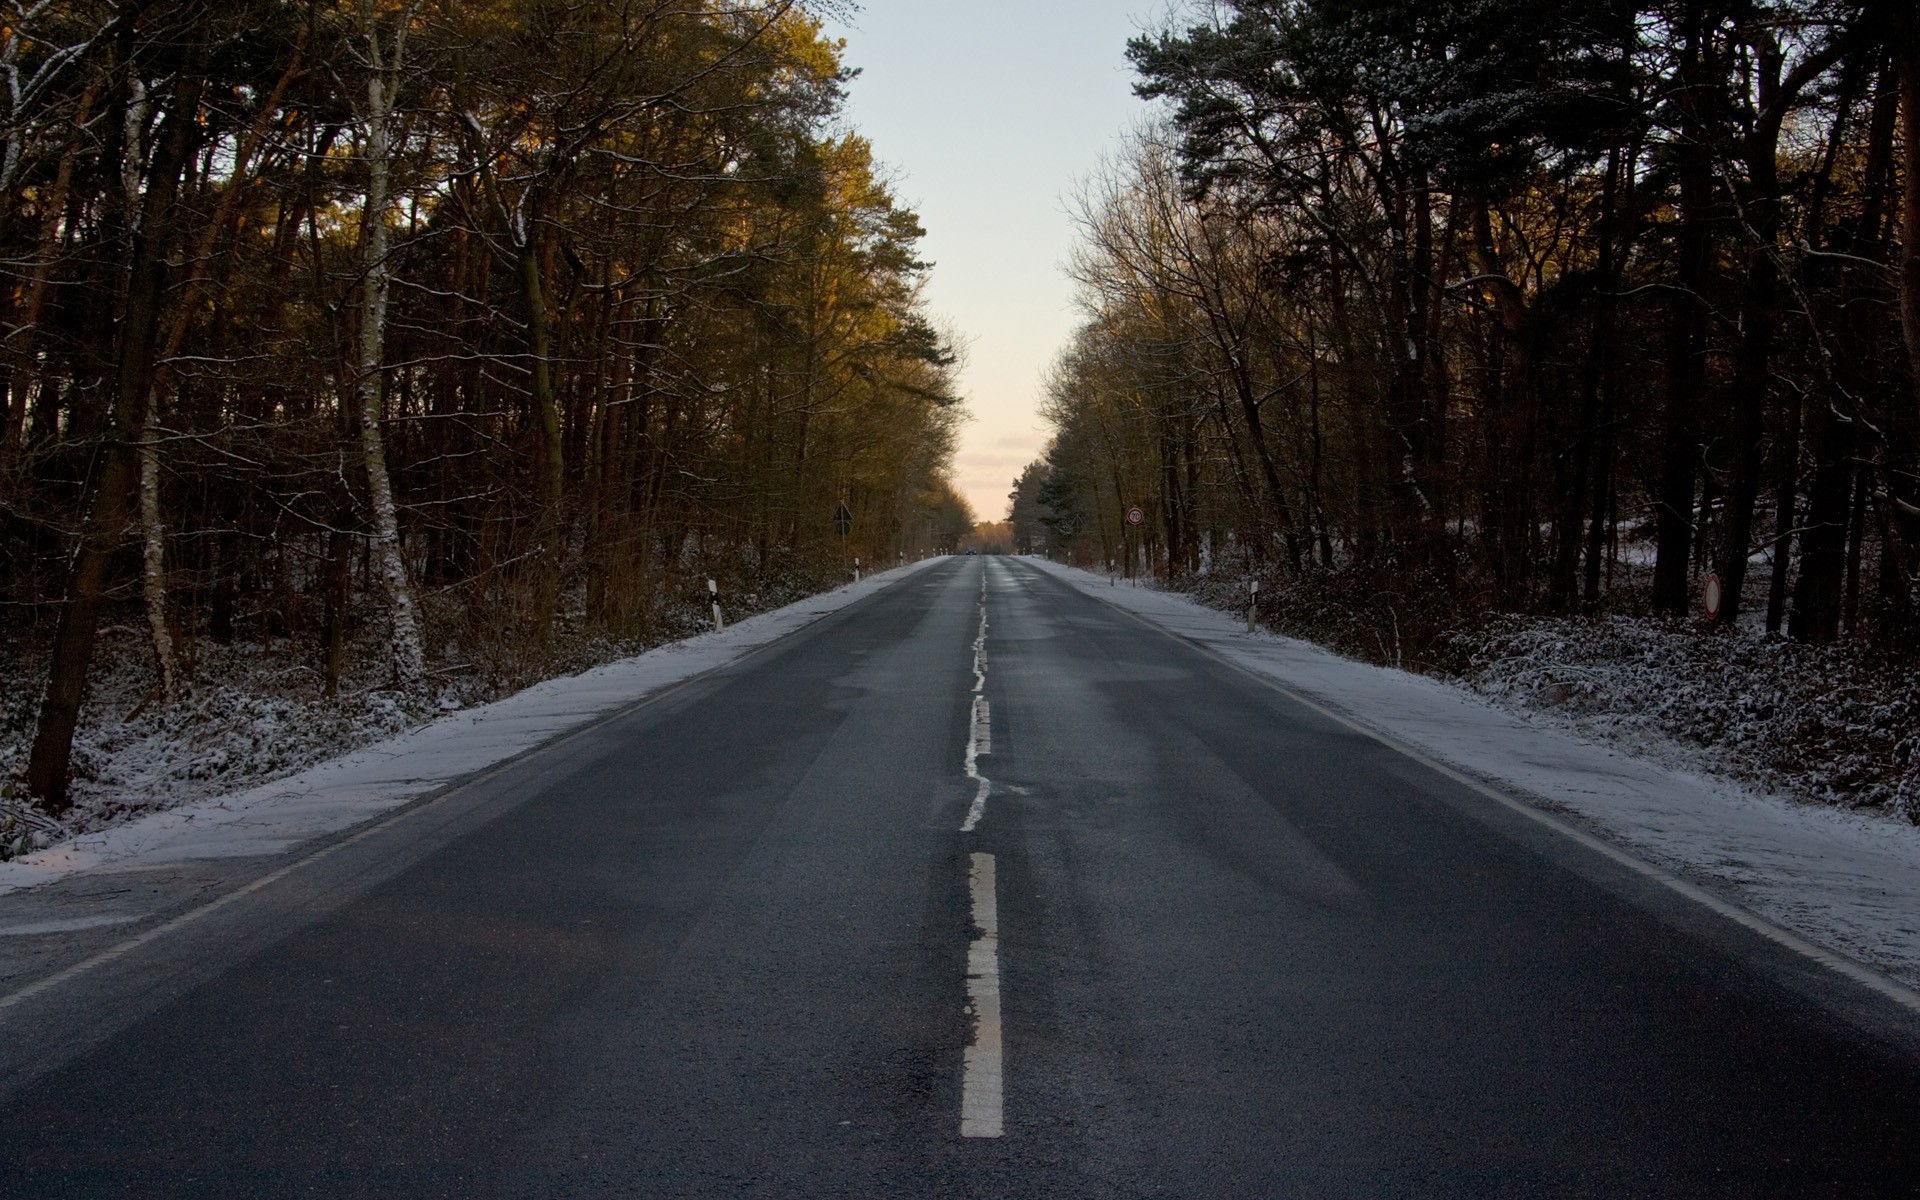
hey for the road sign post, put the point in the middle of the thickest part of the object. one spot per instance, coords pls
(1253, 603)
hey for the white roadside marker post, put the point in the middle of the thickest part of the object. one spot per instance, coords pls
(856, 570)
(719, 622)
(1253, 602)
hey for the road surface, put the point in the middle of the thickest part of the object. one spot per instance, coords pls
(1199, 941)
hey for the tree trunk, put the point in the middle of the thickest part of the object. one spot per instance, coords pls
(153, 556)
(1786, 495)
(50, 760)
(1686, 348)
(1908, 57)
(38, 284)
(404, 645)
(1778, 91)
(1316, 448)
(153, 533)
(1750, 379)
(1269, 471)
(1819, 593)
(1856, 537)
(1579, 471)
(339, 599)
(546, 412)
(1507, 396)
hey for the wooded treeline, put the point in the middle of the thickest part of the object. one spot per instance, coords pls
(479, 322)
(1479, 305)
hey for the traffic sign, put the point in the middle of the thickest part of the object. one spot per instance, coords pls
(1136, 517)
(1714, 594)
(843, 520)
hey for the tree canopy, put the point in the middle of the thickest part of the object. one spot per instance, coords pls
(492, 323)
(1482, 306)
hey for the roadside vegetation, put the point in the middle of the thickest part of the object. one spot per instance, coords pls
(362, 358)
(1484, 334)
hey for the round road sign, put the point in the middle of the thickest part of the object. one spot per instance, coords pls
(1136, 517)
(1712, 597)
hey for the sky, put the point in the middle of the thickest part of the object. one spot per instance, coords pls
(987, 113)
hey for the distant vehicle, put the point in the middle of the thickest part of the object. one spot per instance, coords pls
(971, 550)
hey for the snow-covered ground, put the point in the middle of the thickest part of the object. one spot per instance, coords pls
(254, 707)
(1849, 881)
(348, 790)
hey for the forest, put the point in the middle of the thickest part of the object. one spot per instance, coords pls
(1433, 310)
(432, 346)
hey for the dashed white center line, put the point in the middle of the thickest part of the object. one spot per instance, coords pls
(981, 1101)
(981, 1097)
(980, 727)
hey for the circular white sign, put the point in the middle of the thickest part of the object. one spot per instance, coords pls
(1136, 517)
(1713, 597)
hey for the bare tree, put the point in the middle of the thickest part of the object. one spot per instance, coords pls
(385, 52)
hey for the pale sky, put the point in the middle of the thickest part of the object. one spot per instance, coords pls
(987, 113)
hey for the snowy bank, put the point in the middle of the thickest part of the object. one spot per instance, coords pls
(1846, 880)
(356, 787)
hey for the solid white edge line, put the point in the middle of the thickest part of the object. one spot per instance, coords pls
(124, 948)
(1858, 972)
(982, 1084)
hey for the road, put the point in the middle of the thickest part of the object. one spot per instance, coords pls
(1202, 941)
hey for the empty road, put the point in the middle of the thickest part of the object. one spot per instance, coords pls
(978, 888)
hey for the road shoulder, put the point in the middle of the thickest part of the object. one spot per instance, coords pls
(1846, 882)
(99, 898)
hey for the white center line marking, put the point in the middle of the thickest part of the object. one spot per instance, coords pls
(981, 1094)
(979, 727)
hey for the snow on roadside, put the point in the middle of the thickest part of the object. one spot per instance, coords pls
(255, 711)
(345, 791)
(1846, 880)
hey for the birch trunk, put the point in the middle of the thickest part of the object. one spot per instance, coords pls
(404, 643)
(153, 532)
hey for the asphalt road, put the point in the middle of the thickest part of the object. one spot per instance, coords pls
(734, 942)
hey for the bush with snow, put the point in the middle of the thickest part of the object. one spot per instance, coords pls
(1835, 724)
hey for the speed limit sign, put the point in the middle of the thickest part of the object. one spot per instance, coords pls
(1136, 517)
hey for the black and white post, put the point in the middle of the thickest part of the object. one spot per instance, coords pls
(713, 590)
(1253, 604)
